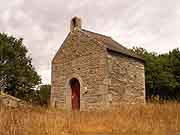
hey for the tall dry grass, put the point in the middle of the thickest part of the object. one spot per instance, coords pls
(150, 119)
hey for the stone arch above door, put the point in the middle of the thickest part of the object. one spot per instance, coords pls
(68, 105)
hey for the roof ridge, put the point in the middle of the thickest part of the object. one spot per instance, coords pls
(95, 33)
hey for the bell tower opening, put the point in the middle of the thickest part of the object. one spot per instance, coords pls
(75, 23)
(75, 94)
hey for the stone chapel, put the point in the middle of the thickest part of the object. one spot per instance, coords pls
(92, 71)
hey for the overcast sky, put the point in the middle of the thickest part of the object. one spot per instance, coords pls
(44, 24)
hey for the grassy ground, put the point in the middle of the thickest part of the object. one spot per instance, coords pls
(150, 119)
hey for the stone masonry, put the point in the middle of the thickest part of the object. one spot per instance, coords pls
(11, 101)
(108, 73)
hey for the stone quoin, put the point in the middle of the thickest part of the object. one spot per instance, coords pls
(92, 71)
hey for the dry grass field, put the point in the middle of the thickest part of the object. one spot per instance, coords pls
(150, 119)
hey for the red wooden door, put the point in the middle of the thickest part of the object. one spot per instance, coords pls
(75, 97)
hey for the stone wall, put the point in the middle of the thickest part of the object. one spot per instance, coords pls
(10, 101)
(126, 79)
(84, 59)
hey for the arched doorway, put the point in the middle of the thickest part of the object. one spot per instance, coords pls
(75, 94)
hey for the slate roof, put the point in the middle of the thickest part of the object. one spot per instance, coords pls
(111, 44)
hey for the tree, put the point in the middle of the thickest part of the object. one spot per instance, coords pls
(17, 74)
(174, 62)
(162, 73)
(44, 94)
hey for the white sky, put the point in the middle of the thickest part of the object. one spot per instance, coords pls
(44, 24)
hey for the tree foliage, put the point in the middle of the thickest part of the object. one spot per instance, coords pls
(44, 94)
(17, 75)
(162, 73)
